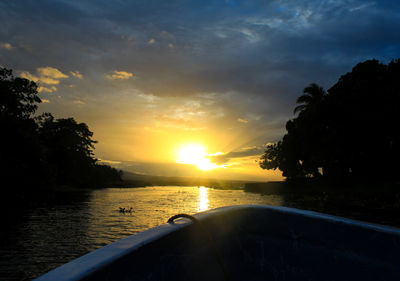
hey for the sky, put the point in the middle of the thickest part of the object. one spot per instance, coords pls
(153, 79)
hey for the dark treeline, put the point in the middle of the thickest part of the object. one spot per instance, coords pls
(41, 152)
(350, 132)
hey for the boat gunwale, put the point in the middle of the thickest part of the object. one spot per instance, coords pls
(83, 266)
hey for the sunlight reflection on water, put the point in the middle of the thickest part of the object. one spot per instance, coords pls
(153, 206)
(203, 198)
(49, 236)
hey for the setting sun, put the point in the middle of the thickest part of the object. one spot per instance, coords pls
(195, 154)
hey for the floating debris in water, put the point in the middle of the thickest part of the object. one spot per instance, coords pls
(125, 210)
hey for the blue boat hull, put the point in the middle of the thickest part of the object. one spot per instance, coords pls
(254, 242)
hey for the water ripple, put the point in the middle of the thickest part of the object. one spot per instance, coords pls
(50, 236)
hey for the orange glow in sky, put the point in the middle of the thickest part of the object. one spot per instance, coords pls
(163, 100)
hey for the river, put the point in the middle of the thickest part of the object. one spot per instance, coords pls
(45, 237)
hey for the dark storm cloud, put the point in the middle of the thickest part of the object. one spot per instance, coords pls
(267, 49)
(246, 152)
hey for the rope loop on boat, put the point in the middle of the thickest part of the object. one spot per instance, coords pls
(209, 238)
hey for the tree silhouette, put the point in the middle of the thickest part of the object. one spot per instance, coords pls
(313, 94)
(43, 152)
(21, 158)
(69, 148)
(19, 96)
(271, 159)
(348, 133)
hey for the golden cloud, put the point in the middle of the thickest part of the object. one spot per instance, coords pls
(51, 72)
(242, 120)
(29, 76)
(47, 89)
(6, 46)
(45, 101)
(108, 161)
(119, 75)
(80, 102)
(152, 41)
(47, 75)
(76, 74)
(49, 81)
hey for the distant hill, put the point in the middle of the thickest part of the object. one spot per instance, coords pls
(136, 180)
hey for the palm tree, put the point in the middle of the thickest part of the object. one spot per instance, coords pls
(312, 95)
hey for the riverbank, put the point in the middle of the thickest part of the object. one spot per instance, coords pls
(373, 202)
(379, 203)
(139, 180)
(16, 197)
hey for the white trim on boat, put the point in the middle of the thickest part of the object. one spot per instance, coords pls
(82, 266)
(91, 262)
(312, 214)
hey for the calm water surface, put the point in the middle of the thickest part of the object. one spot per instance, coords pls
(46, 237)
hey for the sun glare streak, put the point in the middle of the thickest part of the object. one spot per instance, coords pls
(195, 154)
(203, 199)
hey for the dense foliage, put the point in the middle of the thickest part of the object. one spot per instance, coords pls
(349, 132)
(41, 151)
